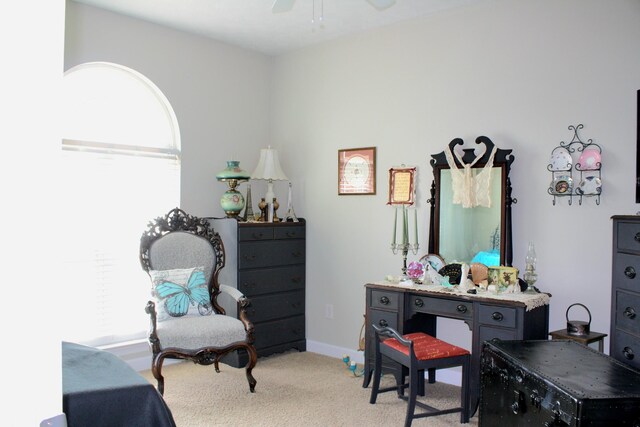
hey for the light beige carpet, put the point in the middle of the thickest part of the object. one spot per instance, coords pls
(293, 389)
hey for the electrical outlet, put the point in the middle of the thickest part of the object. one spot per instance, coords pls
(328, 311)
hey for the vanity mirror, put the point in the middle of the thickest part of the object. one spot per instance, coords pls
(471, 204)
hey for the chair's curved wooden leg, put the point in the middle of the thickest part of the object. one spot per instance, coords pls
(216, 365)
(253, 359)
(156, 369)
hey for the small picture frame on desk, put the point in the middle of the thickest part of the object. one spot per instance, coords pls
(357, 171)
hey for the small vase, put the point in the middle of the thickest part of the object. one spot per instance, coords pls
(263, 210)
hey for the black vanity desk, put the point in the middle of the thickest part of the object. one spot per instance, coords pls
(411, 308)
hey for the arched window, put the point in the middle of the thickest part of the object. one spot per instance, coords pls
(120, 169)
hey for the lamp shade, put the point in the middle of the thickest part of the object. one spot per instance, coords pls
(268, 166)
(232, 171)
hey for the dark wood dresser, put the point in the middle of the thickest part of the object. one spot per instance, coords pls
(266, 262)
(624, 344)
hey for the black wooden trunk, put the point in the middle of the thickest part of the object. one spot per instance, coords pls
(555, 383)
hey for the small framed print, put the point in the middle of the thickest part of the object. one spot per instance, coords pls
(402, 186)
(357, 171)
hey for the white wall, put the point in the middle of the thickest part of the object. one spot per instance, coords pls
(220, 93)
(30, 359)
(519, 72)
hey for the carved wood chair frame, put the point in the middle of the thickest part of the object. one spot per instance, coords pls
(178, 220)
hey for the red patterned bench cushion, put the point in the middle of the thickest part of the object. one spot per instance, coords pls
(426, 347)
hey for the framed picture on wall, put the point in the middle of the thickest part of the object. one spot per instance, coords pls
(402, 188)
(357, 171)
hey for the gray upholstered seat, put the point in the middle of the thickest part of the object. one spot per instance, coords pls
(200, 331)
(184, 255)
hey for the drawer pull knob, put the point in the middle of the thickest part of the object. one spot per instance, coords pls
(497, 316)
(461, 308)
(384, 300)
(291, 234)
(296, 279)
(419, 302)
(630, 312)
(249, 257)
(257, 235)
(628, 353)
(630, 272)
(383, 323)
(637, 237)
(296, 254)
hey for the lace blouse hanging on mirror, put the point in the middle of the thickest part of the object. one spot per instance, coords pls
(470, 188)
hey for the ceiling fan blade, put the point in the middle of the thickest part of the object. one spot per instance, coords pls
(382, 4)
(280, 6)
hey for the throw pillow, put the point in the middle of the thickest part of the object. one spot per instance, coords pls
(180, 292)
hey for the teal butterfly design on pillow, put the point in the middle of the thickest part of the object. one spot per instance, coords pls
(177, 298)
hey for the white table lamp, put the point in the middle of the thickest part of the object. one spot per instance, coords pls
(269, 169)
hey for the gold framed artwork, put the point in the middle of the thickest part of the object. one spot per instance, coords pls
(357, 171)
(402, 188)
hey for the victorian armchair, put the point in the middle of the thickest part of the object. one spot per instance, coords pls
(183, 256)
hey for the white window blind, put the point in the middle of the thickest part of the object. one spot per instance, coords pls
(118, 173)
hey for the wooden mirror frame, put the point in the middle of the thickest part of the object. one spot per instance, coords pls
(502, 159)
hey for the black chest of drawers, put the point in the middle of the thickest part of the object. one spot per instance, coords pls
(624, 344)
(266, 262)
(555, 383)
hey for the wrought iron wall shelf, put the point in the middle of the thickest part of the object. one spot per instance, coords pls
(576, 159)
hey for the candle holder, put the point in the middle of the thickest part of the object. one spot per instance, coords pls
(404, 249)
(405, 246)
